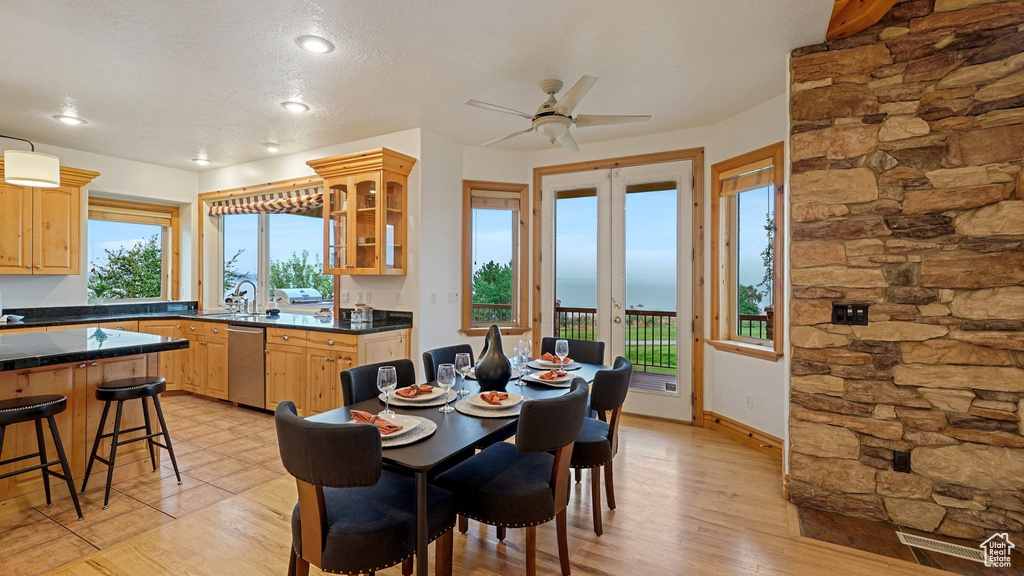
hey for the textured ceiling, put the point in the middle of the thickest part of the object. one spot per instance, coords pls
(164, 82)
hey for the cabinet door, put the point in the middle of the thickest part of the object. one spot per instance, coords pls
(336, 226)
(365, 232)
(393, 235)
(105, 370)
(16, 230)
(168, 364)
(216, 383)
(324, 381)
(286, 377)
(193, 368)
(384, 346)
(56, 230)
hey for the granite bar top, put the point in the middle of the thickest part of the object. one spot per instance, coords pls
(381, 323)
(31, 350)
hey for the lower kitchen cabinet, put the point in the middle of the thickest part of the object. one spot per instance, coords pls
(168, 363)
(324, 381)
(205, 362)
(286, 376)
(216, 382)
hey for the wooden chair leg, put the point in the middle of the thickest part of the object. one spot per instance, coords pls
(463, 524)
(595, 496)
(563, 542)
(407, 566)
(297, 566)
(501, 532)
(444, 551)
(579, 475)
(531, 551)
(609, 488)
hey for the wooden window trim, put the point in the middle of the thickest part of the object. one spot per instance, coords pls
(520, 259)
(136, 213)
(721, 339)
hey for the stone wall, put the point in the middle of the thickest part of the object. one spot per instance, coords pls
(907, 194)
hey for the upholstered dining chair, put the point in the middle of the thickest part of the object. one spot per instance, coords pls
(434, 358)
(354, 517)
(525, 484)
(585, 351)
(360, 383)
(598, 440)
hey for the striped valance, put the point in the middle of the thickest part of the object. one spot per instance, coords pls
(283, 202)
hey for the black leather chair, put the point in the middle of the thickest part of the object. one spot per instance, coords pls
(354, 517)
(585, 351)
(525, 484)
(360, 383)
(434, 358)
(598, 440)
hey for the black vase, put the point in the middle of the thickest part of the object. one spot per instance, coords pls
(493, 371)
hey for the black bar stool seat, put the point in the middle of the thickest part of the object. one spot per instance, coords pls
(35, 409)
(121, 391)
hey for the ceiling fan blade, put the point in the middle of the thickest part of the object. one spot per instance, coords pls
(512, 135)
(568, 142)
(496, 108)
(584, 120)
(572, 98)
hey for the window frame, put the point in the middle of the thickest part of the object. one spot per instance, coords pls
(521, 261)
(133, 212)
(724, 286)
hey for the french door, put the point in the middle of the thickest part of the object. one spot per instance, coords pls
(621, 244)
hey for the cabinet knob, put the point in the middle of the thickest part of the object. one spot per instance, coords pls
(119, 328)
(94, 364)
(331, 342)
(39, 266)
(81, 365)
(178, 326)
(191, 327)
(284, 337)
(202, 343)
(328, 359)
(215, 330)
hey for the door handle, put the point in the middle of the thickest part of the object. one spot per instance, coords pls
(617, 319)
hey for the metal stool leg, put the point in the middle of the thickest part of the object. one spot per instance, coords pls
(64, 464)
(95, 445)
(167, 436)
(113, 453)
(149, 430)
(42, 460)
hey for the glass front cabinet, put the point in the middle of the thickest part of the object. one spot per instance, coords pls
(365, 197)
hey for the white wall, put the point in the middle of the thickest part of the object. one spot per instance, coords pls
(119, 178)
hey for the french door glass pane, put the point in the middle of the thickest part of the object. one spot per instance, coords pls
(755, 212)
(576, 263)
(494, 246)
(241, 238)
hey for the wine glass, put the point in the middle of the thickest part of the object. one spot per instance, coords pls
(463, 366)
(387, 380)
(446, 379)
(522, 356)
(561, 350)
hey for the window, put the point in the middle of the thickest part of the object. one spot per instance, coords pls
(495, 257)
(132, 251)
(746, 250)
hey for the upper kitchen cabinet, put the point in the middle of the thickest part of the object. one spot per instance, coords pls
(365, 199)
(40, 228)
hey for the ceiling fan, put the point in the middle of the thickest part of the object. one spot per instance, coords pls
(554, 117)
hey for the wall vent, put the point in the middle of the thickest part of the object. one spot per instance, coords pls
(974, 554)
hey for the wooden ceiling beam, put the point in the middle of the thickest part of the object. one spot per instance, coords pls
(851, 16)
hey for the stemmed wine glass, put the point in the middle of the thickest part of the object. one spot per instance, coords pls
(446, 378)
(522, 357)
(463, 366)
(561, 350)
(387, 380)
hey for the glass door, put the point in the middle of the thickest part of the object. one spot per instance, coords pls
(367, 230)
(336, 215)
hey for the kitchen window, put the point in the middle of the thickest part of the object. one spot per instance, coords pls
(133, 251)
(746, 251)
(495, 257)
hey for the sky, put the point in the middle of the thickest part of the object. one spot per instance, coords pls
(105, 235)
(289, 233)
(753, 208)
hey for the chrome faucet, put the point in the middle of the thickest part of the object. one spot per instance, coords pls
(239, 294)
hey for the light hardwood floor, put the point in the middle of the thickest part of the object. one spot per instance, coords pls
(690, 501)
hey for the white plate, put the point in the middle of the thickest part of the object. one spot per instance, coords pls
(515, 373)
(509, 402)
(435, 393)
(543, 365)
(560, 380)
(408, 423)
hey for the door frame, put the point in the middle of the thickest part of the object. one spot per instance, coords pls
(696, 156)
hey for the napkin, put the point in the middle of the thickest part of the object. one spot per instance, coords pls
(414, 391)
(549, 357)
(494, 398)
(552, 375)
(367, 418)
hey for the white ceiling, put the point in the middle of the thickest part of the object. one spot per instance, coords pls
(164, 82)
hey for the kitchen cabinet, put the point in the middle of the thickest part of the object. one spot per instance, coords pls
(286, 376)
(365, 212)
(41, 228)
(383, 346)
(324, 382)
(205, 369)
(168, 364)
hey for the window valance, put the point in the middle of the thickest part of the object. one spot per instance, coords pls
(294, 201)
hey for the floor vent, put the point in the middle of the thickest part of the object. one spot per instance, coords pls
(964, 552)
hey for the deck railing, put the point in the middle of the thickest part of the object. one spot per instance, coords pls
(491, 312)
(754, 325)
(650, 334)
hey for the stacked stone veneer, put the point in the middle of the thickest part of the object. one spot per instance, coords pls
(907, 194)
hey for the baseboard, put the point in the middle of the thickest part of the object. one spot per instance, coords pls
(741, 432)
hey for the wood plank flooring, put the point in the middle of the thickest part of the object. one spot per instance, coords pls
(690, 501)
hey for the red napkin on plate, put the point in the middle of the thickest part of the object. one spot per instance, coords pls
(549, 357)
(552, 375)
(493, 397)
(414, 390)
(367, 418)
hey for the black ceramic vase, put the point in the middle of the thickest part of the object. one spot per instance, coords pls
(493, 371)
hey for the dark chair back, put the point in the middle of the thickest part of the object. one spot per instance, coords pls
(585, 351)
(321, 454)
(360, 383)
(434, 358)
(610, 386)
(552, 423)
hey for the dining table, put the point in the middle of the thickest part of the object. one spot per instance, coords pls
(456, 434)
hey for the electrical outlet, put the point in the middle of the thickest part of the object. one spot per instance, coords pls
(453, 297)
(901, 461)
(344, 296)
(369, 295)
(359, 297)
(850, 314)
(750, 401)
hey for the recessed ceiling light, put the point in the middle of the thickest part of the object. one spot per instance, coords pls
(271, 147)
(314, 44)
(72, 120)
(201, 161)
(294, 107)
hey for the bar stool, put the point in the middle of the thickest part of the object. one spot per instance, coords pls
(34, 409)
(120, 391)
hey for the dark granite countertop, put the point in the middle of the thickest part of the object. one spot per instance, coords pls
(20, 351)
(305, 322)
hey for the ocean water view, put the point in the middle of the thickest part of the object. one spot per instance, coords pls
(645, 295)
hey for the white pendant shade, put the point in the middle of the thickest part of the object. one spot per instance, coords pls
(26, 168)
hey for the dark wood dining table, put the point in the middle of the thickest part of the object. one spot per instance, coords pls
(456, 433)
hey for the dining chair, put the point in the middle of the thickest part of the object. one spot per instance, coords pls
(354, 517)
(434, 358)
(597, 442)
(585, 351)
(360, 383)
(525, 484)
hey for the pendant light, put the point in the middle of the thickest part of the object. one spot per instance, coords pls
(30, 168)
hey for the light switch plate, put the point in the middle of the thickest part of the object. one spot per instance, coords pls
(344, 296)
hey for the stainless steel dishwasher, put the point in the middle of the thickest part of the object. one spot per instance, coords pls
(245, 366)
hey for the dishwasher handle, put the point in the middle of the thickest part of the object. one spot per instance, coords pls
(245, 331)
